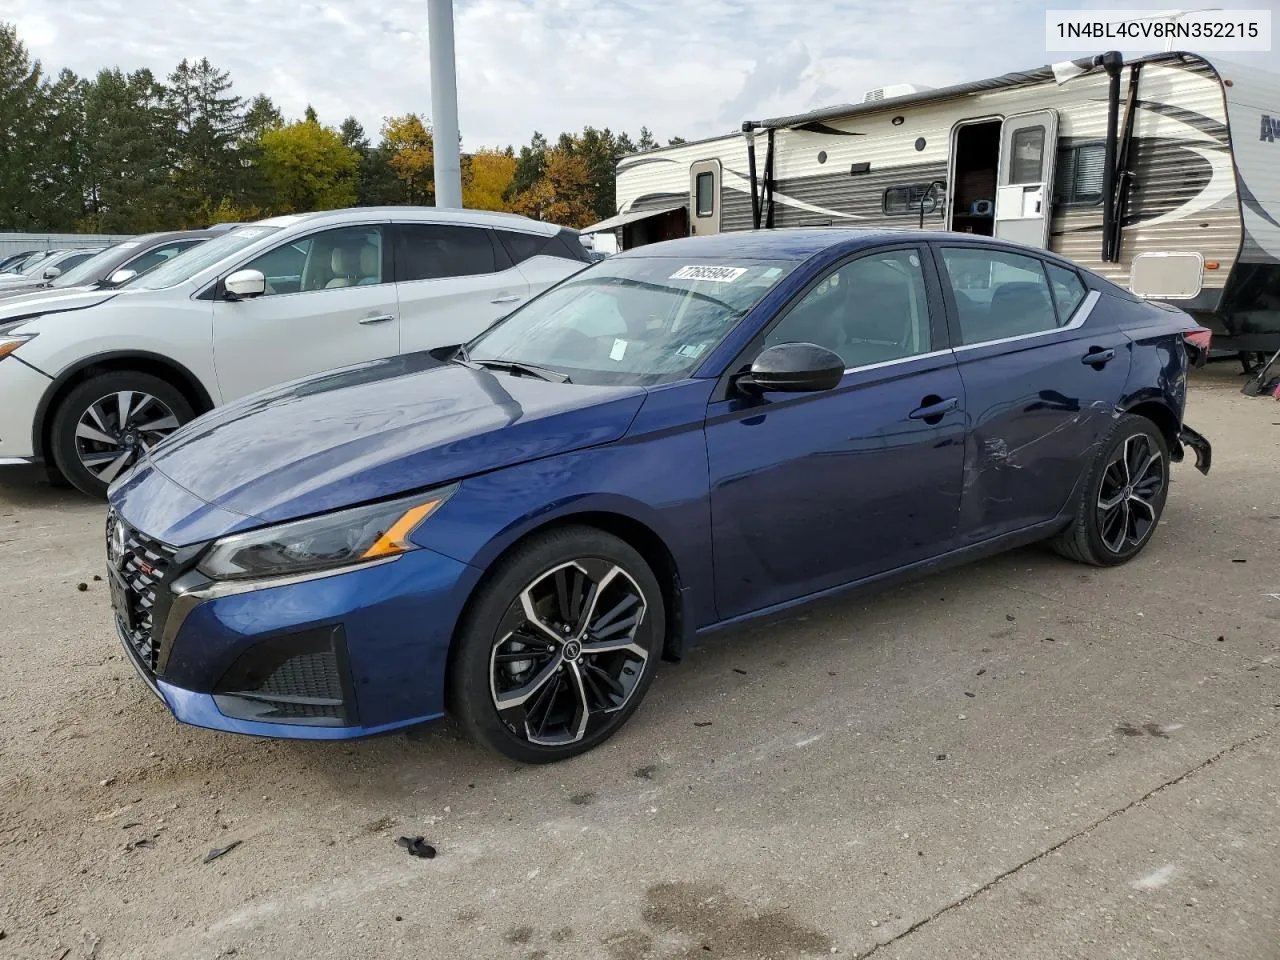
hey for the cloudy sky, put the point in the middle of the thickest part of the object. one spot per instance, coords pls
(692, 68)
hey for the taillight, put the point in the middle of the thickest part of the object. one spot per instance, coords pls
(1198, 342)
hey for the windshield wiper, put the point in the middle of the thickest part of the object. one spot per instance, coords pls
(516, 366)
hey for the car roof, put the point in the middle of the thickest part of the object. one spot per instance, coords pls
(146, 238)
(485, 218)
(801, 243)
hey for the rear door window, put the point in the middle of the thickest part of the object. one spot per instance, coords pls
(998, 294)
(434, 251)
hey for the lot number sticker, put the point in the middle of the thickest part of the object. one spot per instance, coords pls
(713, 274)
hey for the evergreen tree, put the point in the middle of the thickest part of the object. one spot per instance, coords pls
(20, 105)
(60, 176)
(128, 150)
(209, 121)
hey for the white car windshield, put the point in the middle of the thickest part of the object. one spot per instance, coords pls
(631, 320)
(187, 264)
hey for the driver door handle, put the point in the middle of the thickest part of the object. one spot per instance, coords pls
(1097, 357)
(934, 409)
(509, 298)
(379, 318)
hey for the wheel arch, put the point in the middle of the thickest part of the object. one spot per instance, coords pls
(636, 533)
(155, 364)
(1167, 422)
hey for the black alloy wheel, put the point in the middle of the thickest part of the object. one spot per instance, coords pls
(559, 647)
(1122, 498)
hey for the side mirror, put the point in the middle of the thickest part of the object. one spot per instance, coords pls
(794, 368)
(245, 283)
(52, 273)
(121, 276)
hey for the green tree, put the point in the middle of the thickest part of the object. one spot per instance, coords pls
(60, 174)
(207, 167)
(308, 167)
(262, 115)
(646, 141)
(352, 134)
(21, 104)
(127, 149)
(530, 165)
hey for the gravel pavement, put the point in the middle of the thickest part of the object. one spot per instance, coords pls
(1024, 758)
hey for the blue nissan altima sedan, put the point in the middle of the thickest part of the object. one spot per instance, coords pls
(681, 437)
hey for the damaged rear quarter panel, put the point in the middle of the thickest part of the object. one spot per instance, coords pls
(1160, 364)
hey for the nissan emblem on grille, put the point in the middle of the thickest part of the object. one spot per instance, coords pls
(115, 542)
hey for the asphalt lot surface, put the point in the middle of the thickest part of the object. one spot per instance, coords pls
(1022, 758)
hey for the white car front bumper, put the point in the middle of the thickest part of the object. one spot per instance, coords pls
(21, 388)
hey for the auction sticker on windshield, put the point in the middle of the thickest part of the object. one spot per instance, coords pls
(714, 274)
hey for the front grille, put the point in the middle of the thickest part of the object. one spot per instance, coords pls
(142, 567)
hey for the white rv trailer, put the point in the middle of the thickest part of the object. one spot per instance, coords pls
(1162, 174)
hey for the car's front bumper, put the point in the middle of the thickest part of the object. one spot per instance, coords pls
(21, 388)
(334, 657)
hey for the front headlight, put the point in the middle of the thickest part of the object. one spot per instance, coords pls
(371, 532)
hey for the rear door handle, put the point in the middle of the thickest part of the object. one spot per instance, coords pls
(933, 409)
(510, 298)
(1098, 357)
(380, 318)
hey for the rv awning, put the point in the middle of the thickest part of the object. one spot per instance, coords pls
(1017, 79)
(631, 216)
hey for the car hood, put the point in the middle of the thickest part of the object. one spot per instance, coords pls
(380, 429)
(45, 301)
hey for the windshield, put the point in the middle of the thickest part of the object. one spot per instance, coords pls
(632, 320)
(29, 266)
(187, 264)
(86, 272)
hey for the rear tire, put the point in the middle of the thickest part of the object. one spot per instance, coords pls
(558, 647)
(1123, 497)
(92, 444)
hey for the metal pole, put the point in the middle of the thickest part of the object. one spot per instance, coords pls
(444, 104)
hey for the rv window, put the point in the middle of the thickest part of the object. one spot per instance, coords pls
(905, 201)
(1028, 155)
(1079, 179)
(705, 189)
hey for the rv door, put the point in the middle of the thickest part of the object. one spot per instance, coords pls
(704, 198)
(1024, 191)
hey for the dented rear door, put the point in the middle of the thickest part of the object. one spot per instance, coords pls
(1037, 400)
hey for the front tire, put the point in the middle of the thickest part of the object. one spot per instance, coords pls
(105, 423)
(1123, 497)
(559, 646)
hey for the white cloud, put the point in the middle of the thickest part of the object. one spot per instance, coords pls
(692, 69)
